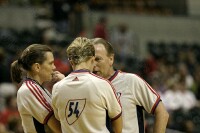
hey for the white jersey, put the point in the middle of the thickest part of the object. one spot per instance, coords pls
(33, 103)
(80, 101)
(135, 95)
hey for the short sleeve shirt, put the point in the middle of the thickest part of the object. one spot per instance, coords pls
(135, 96)
(80, 102)
(34, 105)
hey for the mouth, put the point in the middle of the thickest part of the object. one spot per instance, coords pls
(95, 72)
(52, 75)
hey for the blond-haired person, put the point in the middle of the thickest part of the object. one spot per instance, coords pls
(81, 99)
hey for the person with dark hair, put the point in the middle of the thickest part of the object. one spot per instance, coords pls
(134, 93)
(34, 67)
(100, 28)
(4, 77)
(81, 99)
(9, 111)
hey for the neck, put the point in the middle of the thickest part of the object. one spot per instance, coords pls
(34, 77)
(83, 65)
(110, 73)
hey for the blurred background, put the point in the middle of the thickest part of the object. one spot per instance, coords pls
(156, 39)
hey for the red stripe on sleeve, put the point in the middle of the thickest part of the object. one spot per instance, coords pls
(38, 97)
(154, 92)
(48, 117)
(113, 88)
(45, 101)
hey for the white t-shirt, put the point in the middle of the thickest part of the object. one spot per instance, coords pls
(34, 105)
(135, 95)
(80, 102)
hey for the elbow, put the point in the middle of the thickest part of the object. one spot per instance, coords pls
(161, 112)
(166, 115)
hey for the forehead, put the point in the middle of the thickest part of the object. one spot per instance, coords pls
(49, 56)
(100, 50)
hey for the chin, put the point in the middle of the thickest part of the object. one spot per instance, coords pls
(48, 80)
(99, 74)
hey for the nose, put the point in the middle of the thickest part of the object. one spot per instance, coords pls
(54, 67)
(95, 68)
(95, 64)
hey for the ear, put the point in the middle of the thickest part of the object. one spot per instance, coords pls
(36, 67)
(72, 64)
(111, 58)
(93, 59)
(93, 64)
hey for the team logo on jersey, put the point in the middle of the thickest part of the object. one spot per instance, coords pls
(75, 79)
(74, 109)
(118, 95)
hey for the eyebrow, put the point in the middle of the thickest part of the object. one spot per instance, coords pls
(99, 57)
(52, 61)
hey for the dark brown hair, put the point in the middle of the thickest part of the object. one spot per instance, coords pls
(34, 53)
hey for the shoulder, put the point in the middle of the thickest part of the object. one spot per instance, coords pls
(99, 79)
(26, 93)
(24, 89)
(58, 84)
(100, 82)
(131, 80)
(130, 76)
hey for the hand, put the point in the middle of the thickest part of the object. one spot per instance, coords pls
(57, 76)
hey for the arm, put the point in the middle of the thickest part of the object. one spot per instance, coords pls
(147, 97)
(117, 125)
(161, 119)
(113, 107)
(57, 76)
(54, 124)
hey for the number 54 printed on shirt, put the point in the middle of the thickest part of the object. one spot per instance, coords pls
(74, 108)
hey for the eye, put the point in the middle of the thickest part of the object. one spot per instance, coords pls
(51, 63)
(97, 59)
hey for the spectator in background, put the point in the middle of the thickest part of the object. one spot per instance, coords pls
(4, 69)
(10, 111)
(178, 96)
(196, 85)
(183, 72)
(171, 97)
(124, 41)
(100, 28)
(60, 15)
(76, 16)
(189, 100)
(15, 125)
(61, 62)
(150, 65)
(3, 128)
(191, 61)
